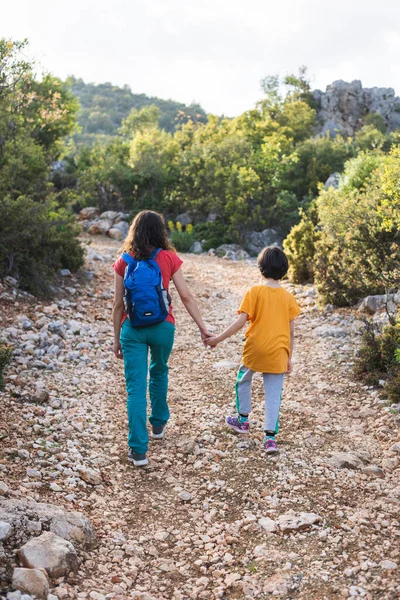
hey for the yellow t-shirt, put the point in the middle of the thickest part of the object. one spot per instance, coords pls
(270, 311)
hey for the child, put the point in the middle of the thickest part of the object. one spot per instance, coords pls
(269, 343)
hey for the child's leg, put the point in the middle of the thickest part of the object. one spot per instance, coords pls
(243, 390)
(273, 384)
(160, 340)
(240, 423)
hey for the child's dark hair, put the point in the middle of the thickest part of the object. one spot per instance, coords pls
(272, 262)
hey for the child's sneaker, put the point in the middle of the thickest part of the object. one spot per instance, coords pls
(139, 460)
(158, 431)
(270, 445)
(237, 424)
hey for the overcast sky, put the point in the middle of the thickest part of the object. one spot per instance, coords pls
(214, 52)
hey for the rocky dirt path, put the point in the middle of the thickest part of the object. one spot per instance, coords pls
(212, 516)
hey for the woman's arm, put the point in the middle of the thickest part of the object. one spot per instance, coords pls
(118, 309)
(190, 303)
(232, 329)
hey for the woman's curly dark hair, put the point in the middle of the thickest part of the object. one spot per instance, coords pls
(147, 232)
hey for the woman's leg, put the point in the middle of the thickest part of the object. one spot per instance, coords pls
(273, 383)
(160, 339)
(135, 351)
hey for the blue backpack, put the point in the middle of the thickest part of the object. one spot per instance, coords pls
(147, 302)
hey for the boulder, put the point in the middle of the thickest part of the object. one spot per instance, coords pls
(342, 108)
(290, 523)
(347, 460)
(184, 219)
(332, 181)
(115, 234)
(121, 216)
(88, 213)
(31, 581)
(256, 241)
(50, 552)
(330, 331)
(110, 215)
(232, 252)
(372, 304)
(101, 226)
(122, 226)
(73, 527)
(22, 519)
(197, 248)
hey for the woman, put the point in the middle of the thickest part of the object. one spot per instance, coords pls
(148, 233)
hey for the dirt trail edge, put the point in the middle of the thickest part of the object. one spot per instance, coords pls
(212, 517)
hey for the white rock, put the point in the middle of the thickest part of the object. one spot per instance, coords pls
(231, 578)
(33, 473)
(5, 530)
(31, 581)
(97, 596)
(90, 476)
(185, 496)
(50, 552)
(3, 488)
(268, 524)
(346, 460)
(388, 564)
(288, 522)
(330, 331)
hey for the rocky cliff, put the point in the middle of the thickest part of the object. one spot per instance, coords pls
(344, 106)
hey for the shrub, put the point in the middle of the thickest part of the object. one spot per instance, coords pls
(378, 358)
(358, 251)
(5, 359)
(213, 233)
(300, 247)
(36, 240)
(181, 238)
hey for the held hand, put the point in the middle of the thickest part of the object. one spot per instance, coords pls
(117, 349)
(204, 335)
(212, 341)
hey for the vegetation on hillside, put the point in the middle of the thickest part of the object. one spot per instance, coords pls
(103, 107)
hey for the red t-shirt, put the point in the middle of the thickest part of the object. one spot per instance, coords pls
(169, 263)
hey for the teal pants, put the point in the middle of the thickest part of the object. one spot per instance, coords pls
(136, 343)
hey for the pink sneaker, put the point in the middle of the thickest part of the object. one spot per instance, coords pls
(237, 425)
(270, 446)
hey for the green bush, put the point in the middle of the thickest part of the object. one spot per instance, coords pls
(358, 251)
(182, 240)
(213, 233)
(378, 358)
(36, 240)
(5, 359)
(300, 247)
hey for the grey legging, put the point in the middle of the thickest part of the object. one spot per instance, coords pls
(273, 383)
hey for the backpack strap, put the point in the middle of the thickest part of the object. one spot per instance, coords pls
(154, 253)
(127, 258)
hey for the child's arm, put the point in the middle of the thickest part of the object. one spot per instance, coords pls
(291, 346)
(232, 329)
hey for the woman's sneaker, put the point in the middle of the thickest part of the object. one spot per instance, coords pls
(139, 460)
(158, 431)
(270, 445)
(237, 424)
